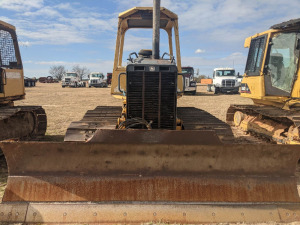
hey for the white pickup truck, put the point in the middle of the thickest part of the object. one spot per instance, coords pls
(224, 81)
(96, 79)
(72, 80)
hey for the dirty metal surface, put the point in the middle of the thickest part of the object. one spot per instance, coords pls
(13, 213)
(267, 122)
(150, 172)
(138, 136)
(105, 117)
(198, 119)
(102, 117)
(7, 112)
(145, 212)
(294, 23)
(150, 188)
(269, 111)
(22, 121)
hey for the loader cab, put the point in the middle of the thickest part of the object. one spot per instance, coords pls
(281, 64)
(11, 69)
(271, 72)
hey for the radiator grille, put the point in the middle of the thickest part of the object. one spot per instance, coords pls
(228, 83)
(152, 96)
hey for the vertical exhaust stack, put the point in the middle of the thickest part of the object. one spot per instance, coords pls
(156, 29)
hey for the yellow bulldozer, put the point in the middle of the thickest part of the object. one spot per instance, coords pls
(272, 81)
(146, 161)
(15, 121)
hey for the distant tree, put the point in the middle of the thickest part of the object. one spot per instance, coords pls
(81, 71)
(57, 71)
(197, 79)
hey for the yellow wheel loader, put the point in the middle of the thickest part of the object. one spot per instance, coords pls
(272, 81)
(148, 161)
(15, 121)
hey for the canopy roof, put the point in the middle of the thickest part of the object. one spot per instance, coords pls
(7, 25)
(141, 17)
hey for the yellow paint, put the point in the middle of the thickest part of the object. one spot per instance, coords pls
(172, 25)
(14, 86)
(7, 25)
(257, 85)
(13, 79)
(296, 89)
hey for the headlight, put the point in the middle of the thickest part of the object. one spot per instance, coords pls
(152, 68)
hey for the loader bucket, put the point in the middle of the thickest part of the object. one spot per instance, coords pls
(137, 183)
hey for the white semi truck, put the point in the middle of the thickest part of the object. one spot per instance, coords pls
(72, 79)
(96, 79)
(224, 81)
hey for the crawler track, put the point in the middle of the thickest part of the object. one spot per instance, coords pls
(197, 119)
(22, 121)
(105, 117)
(102, 117)
(292, 117)
(280, 118)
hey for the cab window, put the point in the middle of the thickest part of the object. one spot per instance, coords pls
(255, 56)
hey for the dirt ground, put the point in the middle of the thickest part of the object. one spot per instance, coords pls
(64, 105)
(3, 176)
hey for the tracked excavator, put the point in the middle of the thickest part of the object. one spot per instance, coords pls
(272, 81)
(150, 164)
(16, 122)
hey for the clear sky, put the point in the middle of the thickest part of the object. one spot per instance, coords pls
(83, 32)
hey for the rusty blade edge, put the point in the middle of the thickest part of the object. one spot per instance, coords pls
(138, 212)
(172, 188)
(102, 158)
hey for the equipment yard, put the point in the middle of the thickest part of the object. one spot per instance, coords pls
(66, 105)
(141, 151)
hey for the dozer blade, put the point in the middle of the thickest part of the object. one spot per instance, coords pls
(137, 183)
